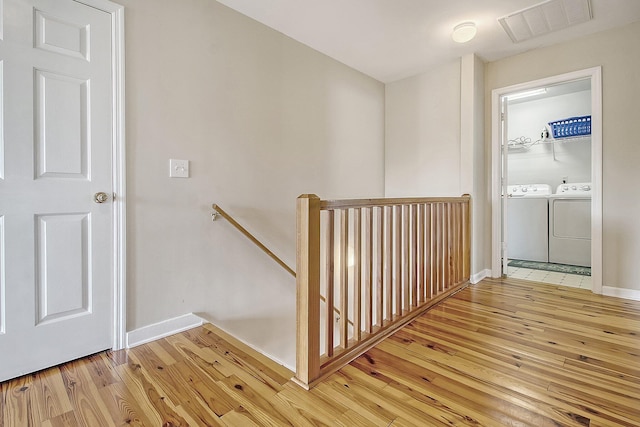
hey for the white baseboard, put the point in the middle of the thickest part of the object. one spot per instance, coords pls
(632, 294)
(475, 278)
(163, 329)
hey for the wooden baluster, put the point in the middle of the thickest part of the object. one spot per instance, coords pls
(413, 212)
(397, 284)
(434, 249)
(446, 252)
(452, 239)
(455, 257)
(308, 288)
(406, 268)
(379, 266)
(428, 229)
(439, 250)
(387, 244)
(443, 236)
(459, 243)
(450, 246)
(330, 251)
(344, 278)
(420, 253)
(357, 276)
(368, 270)
(449, 258)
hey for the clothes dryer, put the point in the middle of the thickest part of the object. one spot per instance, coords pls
(570, 225)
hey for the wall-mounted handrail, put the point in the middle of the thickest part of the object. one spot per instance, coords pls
(218, 210)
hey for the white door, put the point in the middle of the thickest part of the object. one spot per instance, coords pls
(56, 250)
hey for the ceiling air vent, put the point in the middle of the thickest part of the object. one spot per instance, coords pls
(543, 18)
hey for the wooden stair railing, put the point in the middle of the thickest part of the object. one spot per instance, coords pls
(407, 255)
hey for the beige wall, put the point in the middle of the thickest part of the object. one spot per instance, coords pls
(262, 119)
(422, 146)
(434, 144)
(618, 54)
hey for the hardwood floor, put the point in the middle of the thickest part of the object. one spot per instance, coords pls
(513, 353)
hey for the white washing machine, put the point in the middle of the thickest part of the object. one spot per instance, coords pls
(570, 224)
(527, 222)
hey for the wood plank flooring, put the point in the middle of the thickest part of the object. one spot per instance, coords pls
(500, 353)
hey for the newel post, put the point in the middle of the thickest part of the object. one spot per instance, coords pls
(308, 289)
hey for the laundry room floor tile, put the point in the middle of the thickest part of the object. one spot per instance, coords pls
(513, 270)
(550, 277)
(537, 275)
(571, 279)
(519, 275)
(586, 282)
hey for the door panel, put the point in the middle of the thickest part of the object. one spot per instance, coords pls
(62, 266)
(60, 36)
(56, 252)
(62, 137)
(1, 106)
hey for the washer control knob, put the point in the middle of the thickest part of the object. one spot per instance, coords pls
(586, 188)
(573, 187)
(524, 189)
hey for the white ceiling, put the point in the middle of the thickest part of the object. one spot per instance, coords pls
(393, 39)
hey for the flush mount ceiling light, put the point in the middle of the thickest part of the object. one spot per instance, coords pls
(464, 32)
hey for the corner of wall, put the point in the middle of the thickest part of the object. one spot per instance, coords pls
(479, 276)
(472, 151)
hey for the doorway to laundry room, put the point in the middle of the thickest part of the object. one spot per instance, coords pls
(546, 171)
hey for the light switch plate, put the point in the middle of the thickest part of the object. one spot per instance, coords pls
(178, 168)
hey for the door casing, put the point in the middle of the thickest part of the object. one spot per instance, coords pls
(595, 75)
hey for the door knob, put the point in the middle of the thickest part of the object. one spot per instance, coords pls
(100, 197)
